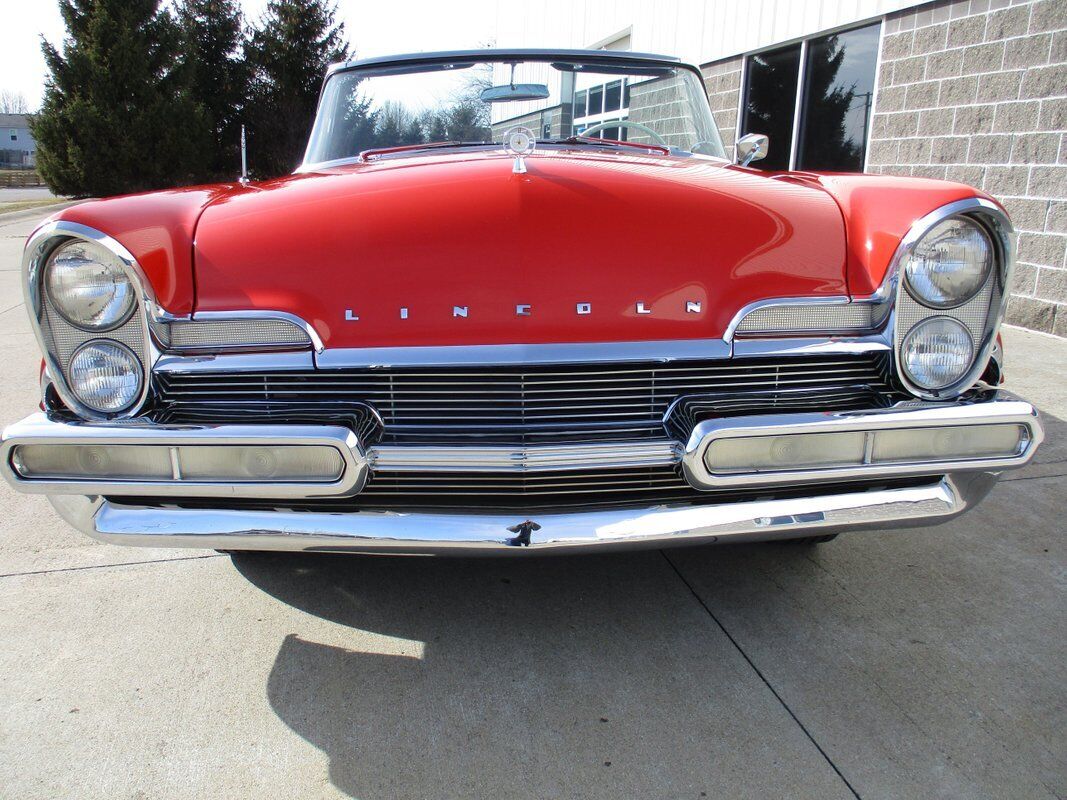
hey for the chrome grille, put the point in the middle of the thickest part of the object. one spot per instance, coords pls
(500, 490)
(519, 404)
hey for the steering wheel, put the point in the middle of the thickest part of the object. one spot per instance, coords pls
(625, 123)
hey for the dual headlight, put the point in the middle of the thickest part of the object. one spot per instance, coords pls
(947, 268)
(88, 287)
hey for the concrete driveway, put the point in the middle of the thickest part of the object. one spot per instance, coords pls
(920, 663)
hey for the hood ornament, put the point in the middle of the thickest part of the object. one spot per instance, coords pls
(519, 141)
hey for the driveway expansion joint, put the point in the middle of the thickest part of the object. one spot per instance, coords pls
(761, 676)
(108, 566)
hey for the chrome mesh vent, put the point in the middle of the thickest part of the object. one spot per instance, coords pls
(518, 404)
(820, 317)
(232, 333)
(974, 314)
(66, 338)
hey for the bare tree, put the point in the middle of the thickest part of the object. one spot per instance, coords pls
(13, 103)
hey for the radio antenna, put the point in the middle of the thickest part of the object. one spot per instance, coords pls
(243, 180)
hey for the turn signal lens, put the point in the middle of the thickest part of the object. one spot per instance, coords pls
(89, 287)
(937, 352)
(93, 461)
(787, 452)
(106, 376)
(950, 264)
(753, 455)
(226, 464)
(242, 463)
(937, 444)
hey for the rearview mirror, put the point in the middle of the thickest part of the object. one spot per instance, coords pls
(751, 147)
(514, 91)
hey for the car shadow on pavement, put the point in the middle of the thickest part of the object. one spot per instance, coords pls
(491, 677)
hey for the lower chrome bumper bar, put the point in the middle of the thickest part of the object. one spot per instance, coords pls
(443, 533)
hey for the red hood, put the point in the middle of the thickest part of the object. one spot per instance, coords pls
(432, 233)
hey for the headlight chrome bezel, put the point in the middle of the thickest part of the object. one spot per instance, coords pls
(989, 301)
(134, 331)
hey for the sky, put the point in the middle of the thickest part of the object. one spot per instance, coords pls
(373, 28)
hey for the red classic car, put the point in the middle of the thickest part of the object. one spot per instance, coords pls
(519, 299)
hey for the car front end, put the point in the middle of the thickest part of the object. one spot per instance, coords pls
(590, 344)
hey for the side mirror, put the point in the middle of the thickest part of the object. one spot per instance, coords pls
(751, 147)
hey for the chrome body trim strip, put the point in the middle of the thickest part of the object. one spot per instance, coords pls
(812, 346)
(904, 415)
(236, 362)
(520, 354)
(39, 247)
(529, 458)
(39, 429)
(664, 351)
(443, 533)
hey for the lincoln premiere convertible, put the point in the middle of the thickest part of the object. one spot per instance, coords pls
(515, 301)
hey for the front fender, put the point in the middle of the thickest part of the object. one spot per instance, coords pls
(158, 229)
(879, 210)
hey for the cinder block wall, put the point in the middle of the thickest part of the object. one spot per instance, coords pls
(976, 91)
(723, 79)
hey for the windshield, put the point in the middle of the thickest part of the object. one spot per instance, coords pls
(423, 103)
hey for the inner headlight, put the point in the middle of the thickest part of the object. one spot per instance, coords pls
(937, 352)
(105, 376)
(950, 264)
(89, 287)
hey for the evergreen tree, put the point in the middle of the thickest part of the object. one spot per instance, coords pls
(216, 74)
(115, 116)
(288, 53)
(435, 127)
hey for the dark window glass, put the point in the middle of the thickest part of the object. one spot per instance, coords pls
(613, 96)
(838, 87)
(610, 133)
(770, 102)
(626, 95)
(596, 100)
(579, 104)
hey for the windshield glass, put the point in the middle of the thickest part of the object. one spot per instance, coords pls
(425, 103)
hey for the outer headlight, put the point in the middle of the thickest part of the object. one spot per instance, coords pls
(937, 352)
(106, 376)
(89, 287)
(950, 264)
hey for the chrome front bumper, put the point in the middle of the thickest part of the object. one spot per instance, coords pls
(100, 510)
(440, 533)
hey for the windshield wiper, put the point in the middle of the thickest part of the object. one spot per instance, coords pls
(598, 142)
(366, 155)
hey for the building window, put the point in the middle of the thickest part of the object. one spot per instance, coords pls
(599, 104)
(770, 102)
(826, 130)
(14, 134)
